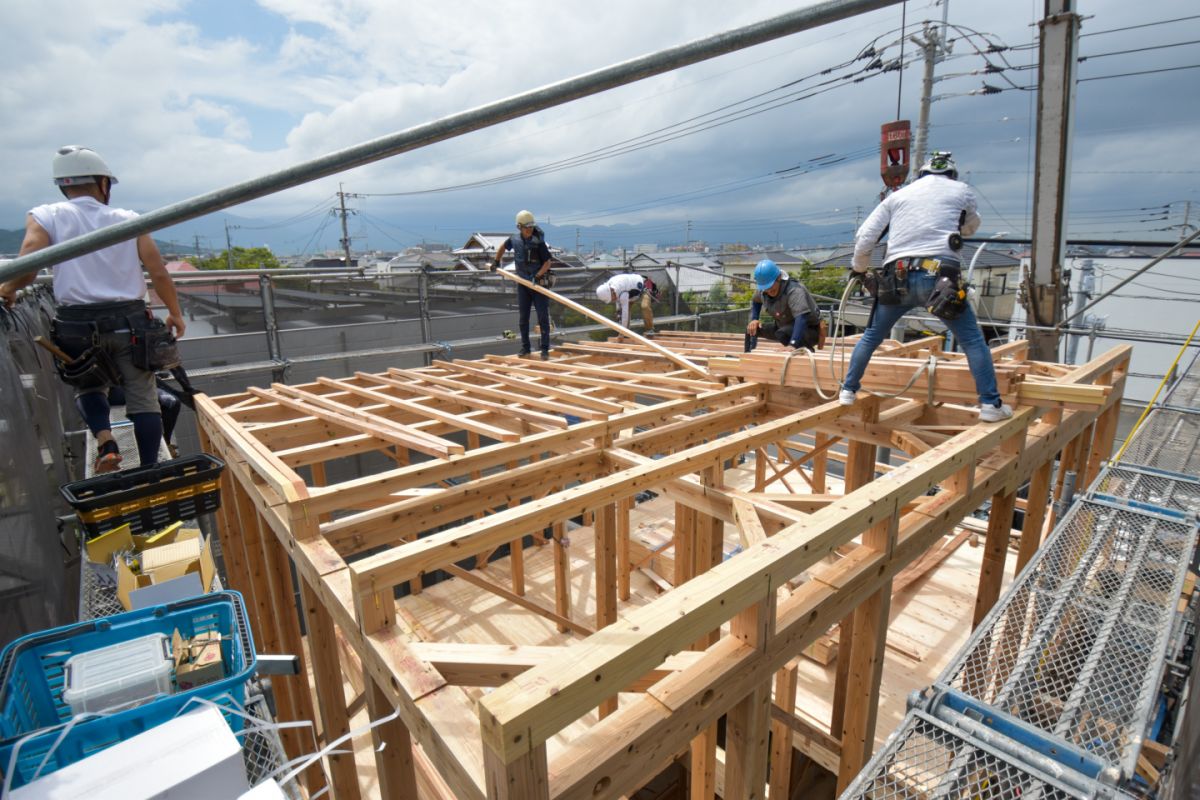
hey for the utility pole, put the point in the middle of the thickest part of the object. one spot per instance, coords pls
(1187, 213)
(1055, 123)
(688, 234)
(196, 239)
(577, 241)
(933, 47)
(228, 247)
(1087, 287)
(345, 232)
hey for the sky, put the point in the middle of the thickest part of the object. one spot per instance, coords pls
(182, 98)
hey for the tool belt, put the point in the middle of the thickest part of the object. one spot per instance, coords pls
(546, 280)
(77, 329)
(891, 283)
(948, 300)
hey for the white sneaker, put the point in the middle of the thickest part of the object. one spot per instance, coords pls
(998, 413)
(846, 398)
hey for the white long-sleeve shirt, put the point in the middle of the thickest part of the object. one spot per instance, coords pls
(922, 216)
(623, 286)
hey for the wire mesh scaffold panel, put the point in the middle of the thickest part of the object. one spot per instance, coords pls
(1077, 650)
(1149, 488)
(925, 758)
(1167, 441)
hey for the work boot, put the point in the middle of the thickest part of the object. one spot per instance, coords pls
(650, 334)
(990, 413)
(523, 354)
(545, 355)
(846, 397)
(108, 458)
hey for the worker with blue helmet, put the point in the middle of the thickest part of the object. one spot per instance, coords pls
(796, 320)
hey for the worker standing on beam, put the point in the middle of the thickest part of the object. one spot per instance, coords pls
(533, 264)
(626, 286)
(927, 220)
(102, 322)
(797, 320)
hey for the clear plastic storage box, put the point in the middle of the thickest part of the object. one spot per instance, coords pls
(120, 675)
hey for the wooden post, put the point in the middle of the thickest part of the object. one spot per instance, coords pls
(562, 574)
(327, 673)
(606, 578)
(267, 634)
(393, 746)
(685, 539)
(781, 734)
(624, 508)
(866, 665)
(748, 724)
(1036, 501)
(706, 553)
(995, 550)
(527, 778)
(819, 463)
(860, 470)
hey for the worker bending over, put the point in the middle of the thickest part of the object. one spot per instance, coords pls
(626, 286)
(927, 220)
(796, 318)
(102, 321)
(532, 258)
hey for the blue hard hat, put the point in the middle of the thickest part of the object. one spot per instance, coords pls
(765, 274)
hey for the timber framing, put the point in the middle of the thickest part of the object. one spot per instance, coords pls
(376, 486)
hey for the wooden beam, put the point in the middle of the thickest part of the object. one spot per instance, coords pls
(606, 322)
(402, 563)
(781, 736)
(516, 599)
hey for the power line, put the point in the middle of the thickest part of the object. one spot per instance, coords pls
(1143, 72)
(1081, 59)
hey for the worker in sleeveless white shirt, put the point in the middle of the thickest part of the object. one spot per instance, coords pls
(102, 320)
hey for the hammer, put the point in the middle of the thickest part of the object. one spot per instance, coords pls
(54, 349)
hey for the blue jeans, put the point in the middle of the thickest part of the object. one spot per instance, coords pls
(965, 329)
(525, 299)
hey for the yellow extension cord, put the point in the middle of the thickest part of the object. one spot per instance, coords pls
(1161, 384)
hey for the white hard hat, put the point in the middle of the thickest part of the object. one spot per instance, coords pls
(74, 165)
(524, 218)
(603, 293)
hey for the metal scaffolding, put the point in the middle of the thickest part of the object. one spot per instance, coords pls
(1057, 690)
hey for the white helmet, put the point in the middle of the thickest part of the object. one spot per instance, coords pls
(941, 162)
(74, 165)
(603, 293)
(525, 218)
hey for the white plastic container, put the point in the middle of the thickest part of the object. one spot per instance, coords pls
(120, 675)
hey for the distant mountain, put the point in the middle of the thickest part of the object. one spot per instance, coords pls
(10, 241)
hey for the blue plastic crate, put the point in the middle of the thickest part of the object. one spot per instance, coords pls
(32, 679)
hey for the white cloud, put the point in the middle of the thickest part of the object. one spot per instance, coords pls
(179, 110)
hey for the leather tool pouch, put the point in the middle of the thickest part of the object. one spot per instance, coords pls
(948, 300)
(91, 366)
(152, 345)
(890, 291)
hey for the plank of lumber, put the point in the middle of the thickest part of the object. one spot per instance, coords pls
(542, 386)
(516, 599)
(502, 395)
(460, 397)
(605, 321)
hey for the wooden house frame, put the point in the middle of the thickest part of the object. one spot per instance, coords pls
(505, 452)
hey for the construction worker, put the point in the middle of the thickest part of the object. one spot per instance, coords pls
(797, 320)
(102, 320)
(532, 263)
(626, 286)
(927, 220)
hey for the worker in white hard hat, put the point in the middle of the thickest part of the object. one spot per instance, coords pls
(102, 321)
(626, 286)
(532, 258)
(926, 221)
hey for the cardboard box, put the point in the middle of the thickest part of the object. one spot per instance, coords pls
(180, 568)
(197, 660)
(194, 756)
